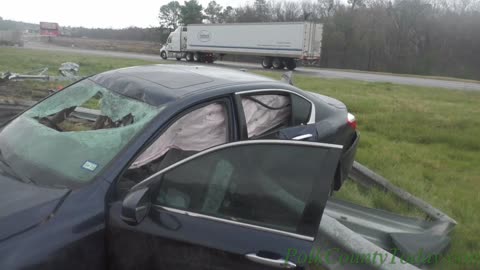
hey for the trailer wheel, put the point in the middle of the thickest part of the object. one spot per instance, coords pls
(196, 57)
(290, 64)
(209, 59)
(189, 57)
(163, 54)
(277, 63)
(267, 62)
(199, 57)
(178, 58)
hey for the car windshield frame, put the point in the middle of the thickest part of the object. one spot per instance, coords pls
(51, 156)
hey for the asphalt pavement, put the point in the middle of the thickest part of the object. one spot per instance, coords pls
(317, 72)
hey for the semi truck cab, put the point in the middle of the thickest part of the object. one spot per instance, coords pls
(176, 44)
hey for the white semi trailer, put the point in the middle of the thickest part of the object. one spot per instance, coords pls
(279, 44)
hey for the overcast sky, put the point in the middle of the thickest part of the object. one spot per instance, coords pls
(92, 13)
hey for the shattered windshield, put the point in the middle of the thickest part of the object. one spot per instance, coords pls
(72, 135)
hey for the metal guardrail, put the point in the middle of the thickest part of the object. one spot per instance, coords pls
(335, 240)
(355, 230)
(9, 109)
(369, 178)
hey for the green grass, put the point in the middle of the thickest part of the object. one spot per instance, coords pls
(20, 60)
(424, 140)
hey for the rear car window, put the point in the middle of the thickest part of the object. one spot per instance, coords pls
(264, 113)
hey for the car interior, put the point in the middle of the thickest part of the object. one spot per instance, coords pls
(226, 190)
(222, 187)
(204, 128)
(265, 116)
(67, 119)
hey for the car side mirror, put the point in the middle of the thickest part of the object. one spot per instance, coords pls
(135, 206)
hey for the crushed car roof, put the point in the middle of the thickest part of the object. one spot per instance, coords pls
(159, 84)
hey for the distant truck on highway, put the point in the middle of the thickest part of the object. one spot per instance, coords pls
(49, 29)
(11, 38)
(279, 44)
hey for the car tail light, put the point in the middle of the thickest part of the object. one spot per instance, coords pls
(351, 120)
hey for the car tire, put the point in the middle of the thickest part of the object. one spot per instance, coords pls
(267, 62)
(189, 57)
(163, 54)
(290, 64)
(277, 63)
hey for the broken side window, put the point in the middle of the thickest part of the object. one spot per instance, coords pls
(266, 113)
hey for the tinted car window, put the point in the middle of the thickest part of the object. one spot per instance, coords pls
(254, 184)
(301, 109)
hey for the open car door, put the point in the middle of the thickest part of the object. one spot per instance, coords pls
(244, 205)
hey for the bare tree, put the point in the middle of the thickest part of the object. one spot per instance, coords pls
(213, 12)
(169, 15)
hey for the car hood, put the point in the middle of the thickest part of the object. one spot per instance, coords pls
(24, 206)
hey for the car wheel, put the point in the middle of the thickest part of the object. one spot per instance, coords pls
(163, 54)
(189, 57)
(290, 64)
(267, 62)
(277, 63)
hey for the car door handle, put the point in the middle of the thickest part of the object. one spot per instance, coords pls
(302, 137)
(278, 263)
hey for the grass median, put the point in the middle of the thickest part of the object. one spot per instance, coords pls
(424, 140)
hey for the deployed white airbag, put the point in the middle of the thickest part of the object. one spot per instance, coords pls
(195, 131)
(260, 118)
(207, 127)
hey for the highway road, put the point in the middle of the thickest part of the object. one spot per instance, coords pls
(317, 72)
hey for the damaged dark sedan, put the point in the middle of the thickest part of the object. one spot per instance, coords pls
(170, 167)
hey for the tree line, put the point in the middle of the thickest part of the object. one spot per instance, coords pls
(428, 37)
(154, 34)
